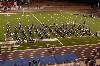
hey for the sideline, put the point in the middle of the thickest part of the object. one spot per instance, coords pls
(8, 13)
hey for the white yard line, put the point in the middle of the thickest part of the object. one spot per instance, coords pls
(36, 18)
(60, 42)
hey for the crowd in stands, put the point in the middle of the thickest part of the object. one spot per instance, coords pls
(91, 61)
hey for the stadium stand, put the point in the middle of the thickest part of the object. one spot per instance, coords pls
(40, 60)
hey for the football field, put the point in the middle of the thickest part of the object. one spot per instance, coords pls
(56, 19)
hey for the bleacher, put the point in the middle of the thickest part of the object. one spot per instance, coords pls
(42, 61)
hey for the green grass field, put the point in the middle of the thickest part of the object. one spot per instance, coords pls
(50, 18)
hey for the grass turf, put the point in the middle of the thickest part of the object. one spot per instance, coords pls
(50, 18)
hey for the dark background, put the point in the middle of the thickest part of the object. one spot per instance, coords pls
(74, 1)
(70, 1)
